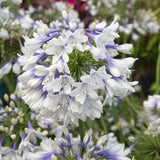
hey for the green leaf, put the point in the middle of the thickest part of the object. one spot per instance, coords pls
(152, 41)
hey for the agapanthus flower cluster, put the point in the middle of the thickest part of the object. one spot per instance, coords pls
(72, 15)
(65, 67)
(144, 22)
(16, 118)
(148, 22)
(69, 147)
(64, 146)
(15, 21)
(27, 143)
(5, 13)
(152, 108)
(23, 20)
(93, 6)
(110, 3)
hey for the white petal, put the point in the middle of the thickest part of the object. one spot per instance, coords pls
(65, 57)
(56, 85)
(80, 47)
(125, 48)
(67, 89)
(80, 98)
(115, 72)
(40, 70)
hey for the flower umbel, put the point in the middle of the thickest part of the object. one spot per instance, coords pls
(64, 74)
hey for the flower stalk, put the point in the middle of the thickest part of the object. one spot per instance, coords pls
(81, 129)
(158, 73)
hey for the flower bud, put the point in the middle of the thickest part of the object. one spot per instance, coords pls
(14, 121)
(20, 113)
(6, 129)
(38, 117)
(53, 157)
(32, 117)
(52, 68)
(2, 128)
(13, 136)
(45, 133)
(12, 104)
(21, 120)
(1, 103)
(26, 130)
(39, 129)
(52, 131)
(19, 94)
(6, 97)
(101, 140)
(7, 108)
(64, 14)
(87, 48)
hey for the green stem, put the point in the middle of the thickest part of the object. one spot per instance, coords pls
(132, 106)
(158, 73)
(135, 110)
(94, 138)
(81, 129)
(121, 139)
(89, 124)
(138, 43)
(2, 50)
(133, 128)
(103, 124)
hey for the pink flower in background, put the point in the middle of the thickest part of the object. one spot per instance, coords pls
(79, 5)
(72, 2)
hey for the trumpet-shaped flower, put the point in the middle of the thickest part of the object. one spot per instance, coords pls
(83, 91)
(75, 39)
(120, 67)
